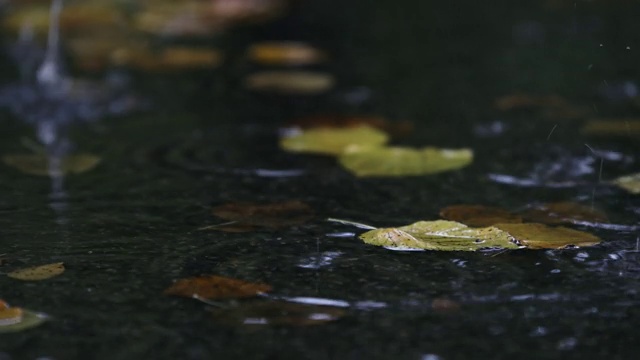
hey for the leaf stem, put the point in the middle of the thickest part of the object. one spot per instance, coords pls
(352, 223)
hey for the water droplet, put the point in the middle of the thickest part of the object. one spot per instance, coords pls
(567, 343)
(555, 271)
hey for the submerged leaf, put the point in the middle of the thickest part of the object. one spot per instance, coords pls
(36, 273)
(539, 236)
(285, 53)
(278, 313)
(399, 161)
(630, 183)
(613, 127)
(38, 164)
(212, 287)
(290, 82)
(14, 319)
(440, 235)
(564, 213)
(478, 215)
(248, 216)
(333, 141)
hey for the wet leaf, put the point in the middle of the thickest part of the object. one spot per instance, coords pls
(399, 161)
(38, 164)
(213, 287)
(333, 141)
(175, 58)
(539, 236)
(277, 313)
(285, 53)
(36, 273)
(444, 305)
(14, 319)
(440, 235)
(524, 101)
(393, 128)
(564, 213)
(612, 127)
(478, 215)
(251, 215)
(630, 183)
(290, 82)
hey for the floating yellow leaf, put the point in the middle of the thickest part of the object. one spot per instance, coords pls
(631, 183)
(399, 161)
(174, 58)
(539, 236)
(285, 53)
(333, 141)
(36, 273)
(478, 215)
(216, 287)
(440, 235)
(38, 164)
(278, 313)
(14, 319)
(613, 127)
(290, 82)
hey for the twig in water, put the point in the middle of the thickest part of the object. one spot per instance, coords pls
(209, 227)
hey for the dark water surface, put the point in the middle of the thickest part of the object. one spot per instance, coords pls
(129, 227)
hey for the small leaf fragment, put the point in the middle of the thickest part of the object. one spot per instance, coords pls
(630, 183)
(277, 313)
(400, 161)
(38, 164)
(333, 141)
(36, 273)
(478, 215)
(539, 236)
(213, 287)
(290, 82)
(440, 235)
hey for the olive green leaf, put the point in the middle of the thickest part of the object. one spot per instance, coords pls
(14, 319)
(400, 161)
(331, 141)
(38, 164)
(539, 236)
(440, 235)
(612, 127)
(631, 183)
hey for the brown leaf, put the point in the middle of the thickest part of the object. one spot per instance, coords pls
(285, 53)
(444, 305)
(478, 215)
(564, 213)
(273, 216)
(216, 287)
(539, 236)
(36, 273)
(524, 101)
(278, 313)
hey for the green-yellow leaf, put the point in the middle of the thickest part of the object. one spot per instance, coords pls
(333, 141)
(539, 236)
(36, 273)
(290, 82)
(14, 319)
(631, 183)
(440, 235)
(38, 164)
(400, 161)
(613, 127)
